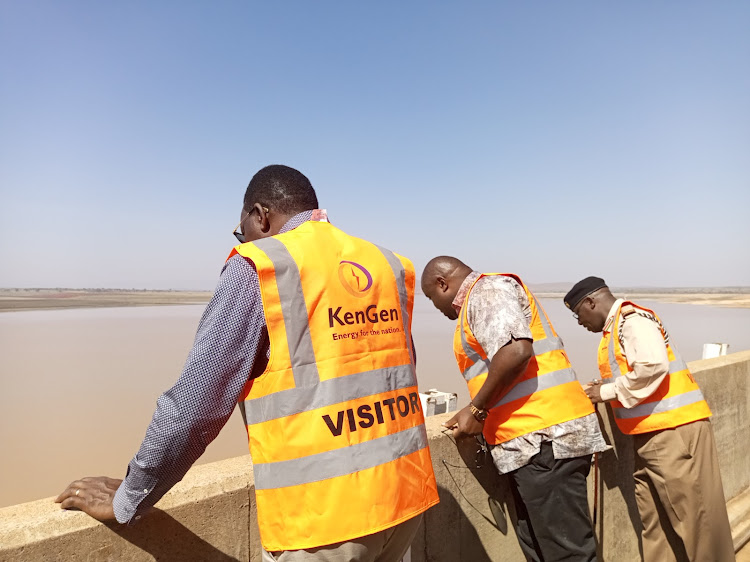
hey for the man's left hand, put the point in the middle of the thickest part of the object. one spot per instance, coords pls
(464, 424)
(92, 495)
(594, 392)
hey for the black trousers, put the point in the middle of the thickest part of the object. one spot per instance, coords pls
(552, 508)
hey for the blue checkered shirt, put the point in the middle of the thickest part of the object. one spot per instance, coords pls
(230, 347)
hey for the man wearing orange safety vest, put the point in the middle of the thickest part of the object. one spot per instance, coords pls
(655, 399)
(309, 330)
(526, 401)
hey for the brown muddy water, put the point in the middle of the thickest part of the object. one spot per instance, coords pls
(78, 387)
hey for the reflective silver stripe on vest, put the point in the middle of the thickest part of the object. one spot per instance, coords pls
(550, 342)
(475, 369)
(542, 318)
(339, 462)
(327, 393)
(665, 405)
(542, 382)
(294, 310)
(614, 366)
(546, 345)
(677, 365)
(400, 274)
(478, 365)
(469, 351)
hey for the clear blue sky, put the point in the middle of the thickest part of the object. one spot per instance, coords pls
(552, 139)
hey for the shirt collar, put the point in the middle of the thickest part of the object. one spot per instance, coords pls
(463, 290)
(317, 215)
(611, 316)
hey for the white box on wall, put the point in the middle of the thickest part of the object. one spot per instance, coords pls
(711, 350)
(435, 402)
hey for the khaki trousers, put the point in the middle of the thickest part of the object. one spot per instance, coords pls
(680, 497)
(389, 545)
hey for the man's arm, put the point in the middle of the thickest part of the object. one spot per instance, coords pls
(506, 366)
(646, 354)
(190, 414)
(499, 317)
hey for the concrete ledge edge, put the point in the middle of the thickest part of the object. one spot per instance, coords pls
(739, 519)
(25, 523)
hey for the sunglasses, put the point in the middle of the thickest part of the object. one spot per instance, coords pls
(579, 306)
(238, 234)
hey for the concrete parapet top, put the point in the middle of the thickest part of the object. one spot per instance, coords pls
(717, 362)
(43, 520)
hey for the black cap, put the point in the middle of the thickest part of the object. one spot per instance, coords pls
(583, 289)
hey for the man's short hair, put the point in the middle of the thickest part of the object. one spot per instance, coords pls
(281, 188)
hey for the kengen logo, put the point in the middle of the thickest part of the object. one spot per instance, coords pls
(355, 278)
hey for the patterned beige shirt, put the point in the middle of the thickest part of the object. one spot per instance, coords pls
(499, 311)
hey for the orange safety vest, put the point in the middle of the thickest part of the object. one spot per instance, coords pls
(547, 393)
(677, 400)
(334, 423)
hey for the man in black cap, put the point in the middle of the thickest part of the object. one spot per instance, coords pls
(655, 399)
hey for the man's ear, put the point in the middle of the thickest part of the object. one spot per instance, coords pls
(442, 283)
(264, 224)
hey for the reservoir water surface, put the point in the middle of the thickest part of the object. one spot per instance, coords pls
(79, 386)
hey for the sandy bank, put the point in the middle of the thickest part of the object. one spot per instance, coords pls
(730, 300)
(48, 299)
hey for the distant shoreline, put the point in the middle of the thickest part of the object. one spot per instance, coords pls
(16, 300)
(12, 300)
(723, 300)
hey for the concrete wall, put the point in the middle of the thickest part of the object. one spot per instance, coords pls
(210, 515)
(725, 382)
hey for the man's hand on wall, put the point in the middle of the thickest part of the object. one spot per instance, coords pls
(92, 495)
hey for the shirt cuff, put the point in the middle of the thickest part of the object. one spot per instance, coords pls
(130, 495)
(607, 392)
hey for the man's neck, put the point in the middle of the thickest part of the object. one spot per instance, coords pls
(607, 302)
